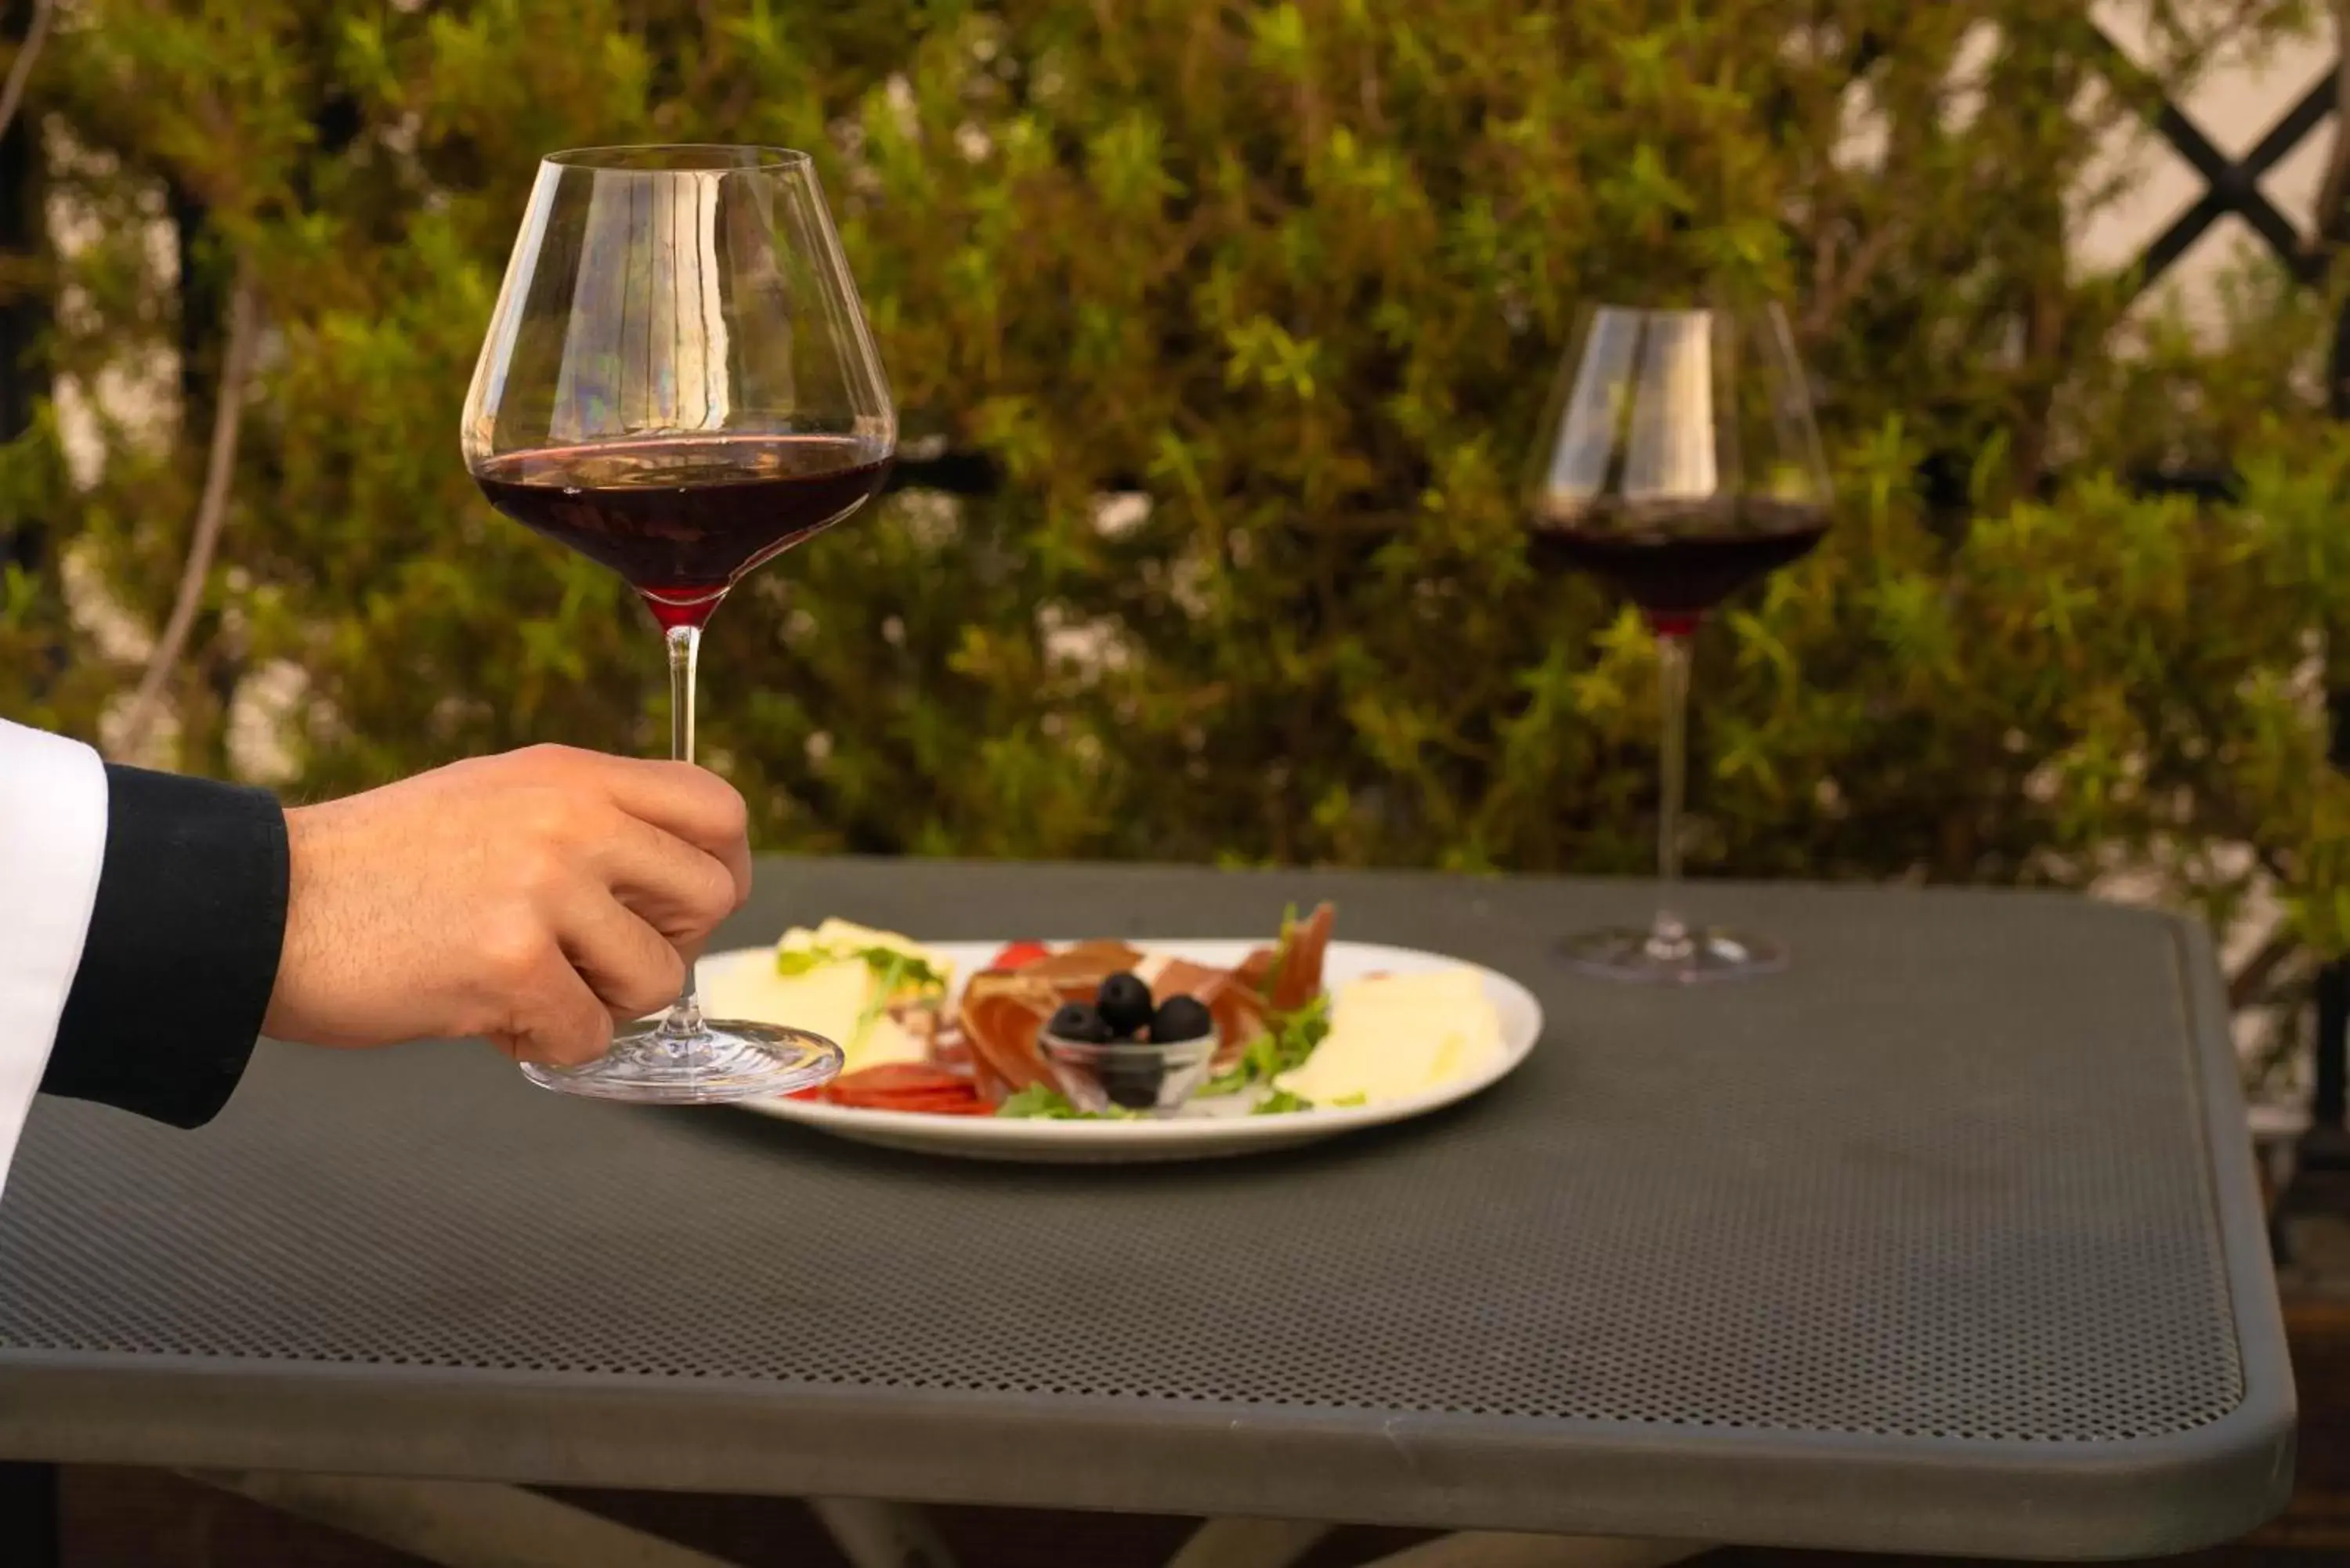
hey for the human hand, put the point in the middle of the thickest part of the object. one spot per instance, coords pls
(533, 898)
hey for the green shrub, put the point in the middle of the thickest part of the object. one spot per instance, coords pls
(1298, 275)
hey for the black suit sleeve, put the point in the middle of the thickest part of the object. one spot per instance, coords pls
(182, 948)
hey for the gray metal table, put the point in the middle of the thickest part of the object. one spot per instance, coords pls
(1946, 1240)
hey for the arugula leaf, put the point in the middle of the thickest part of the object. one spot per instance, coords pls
(895, 969)
(1279, 1103)
(1256, 1058)
(1296, 1033)
(1038, 1100)
(901, 969)
(1042, 1102)
(1289, 1039)
(887, 976)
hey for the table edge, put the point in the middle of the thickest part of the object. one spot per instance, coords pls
(1998, 1500)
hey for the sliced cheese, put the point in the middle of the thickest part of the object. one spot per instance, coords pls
(827, 999)
(1393, 1036)
(886, 1040)
(845, 936)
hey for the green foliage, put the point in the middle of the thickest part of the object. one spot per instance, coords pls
(1298, 275)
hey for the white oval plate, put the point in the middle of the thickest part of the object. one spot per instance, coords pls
(1205, 1129)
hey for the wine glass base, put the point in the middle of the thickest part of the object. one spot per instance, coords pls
(723, 1063)
(1639, 955)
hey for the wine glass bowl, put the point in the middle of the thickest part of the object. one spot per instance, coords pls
(678, 382)
(1677, 461)
(684, 518)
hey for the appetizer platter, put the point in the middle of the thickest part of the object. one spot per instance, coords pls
(1105, 1050)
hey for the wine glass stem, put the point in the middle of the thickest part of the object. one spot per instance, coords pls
(1668, 935)
(682, 1023)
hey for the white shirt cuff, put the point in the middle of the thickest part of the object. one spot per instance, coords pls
(52, 847)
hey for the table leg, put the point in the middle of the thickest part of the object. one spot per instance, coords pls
(883, 1534)
(1489, 1549)
(28, 1514)
(1278, 1543)
(459, 1524)
(481, 1525)
(1248, 1543)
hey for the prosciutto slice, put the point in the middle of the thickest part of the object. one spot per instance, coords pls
(1002, 1011)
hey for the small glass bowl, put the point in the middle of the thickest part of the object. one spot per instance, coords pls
(1148, 1080)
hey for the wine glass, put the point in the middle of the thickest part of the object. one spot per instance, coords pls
(1678, 462)
(679, 382)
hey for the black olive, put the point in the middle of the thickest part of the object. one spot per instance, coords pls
(1181, 1018)
(1080, 1022)
(1125, 1002)
(1133, 1086)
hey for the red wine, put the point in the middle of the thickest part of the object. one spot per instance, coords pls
(683, 517)
(1678, 562)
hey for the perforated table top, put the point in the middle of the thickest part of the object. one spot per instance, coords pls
(1945, 1241)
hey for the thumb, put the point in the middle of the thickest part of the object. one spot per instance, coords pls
(556, 1019)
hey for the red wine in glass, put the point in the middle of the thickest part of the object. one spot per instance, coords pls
(1679, 561)
(683, 519)
(679, 382)
(1679, 463)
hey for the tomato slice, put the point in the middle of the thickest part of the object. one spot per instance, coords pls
(906, 1087)
(1020, 955)
(928, 1102)
(900, 1077)
(962, 1103)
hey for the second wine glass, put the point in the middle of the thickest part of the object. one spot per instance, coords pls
(1677, 461)
(679, 382)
